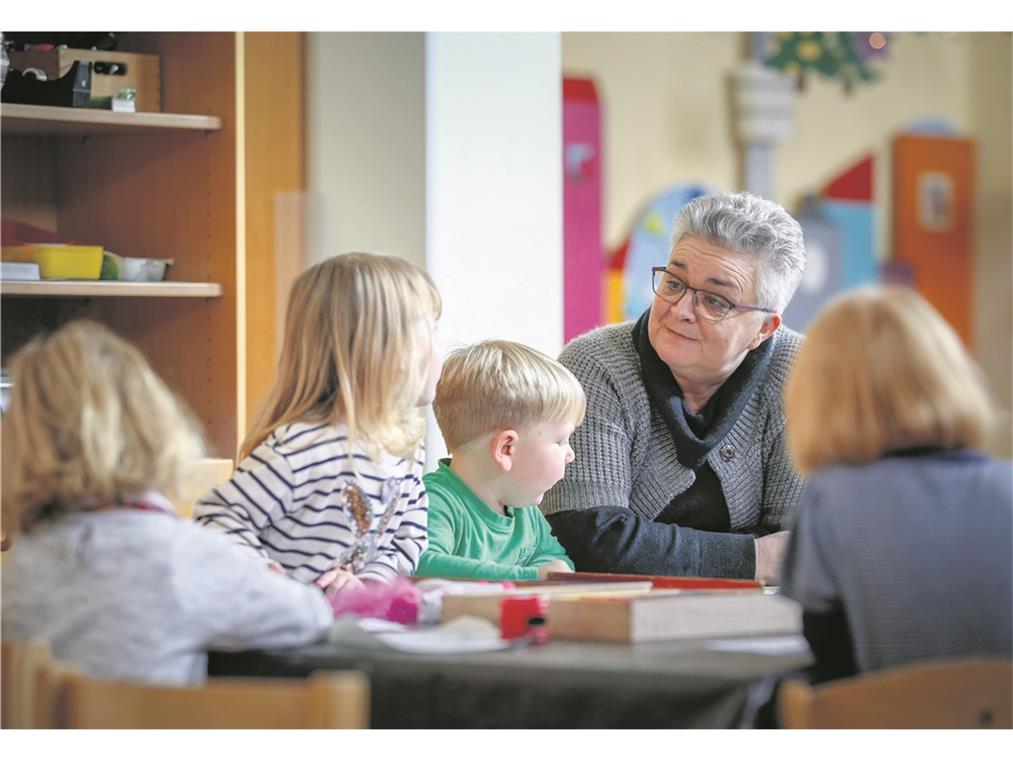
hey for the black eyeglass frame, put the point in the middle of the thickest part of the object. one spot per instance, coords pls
(655, 271)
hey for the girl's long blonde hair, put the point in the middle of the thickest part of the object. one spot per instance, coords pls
(352, 352)
(90, 425)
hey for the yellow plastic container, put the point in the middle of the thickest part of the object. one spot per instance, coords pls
(59, 262)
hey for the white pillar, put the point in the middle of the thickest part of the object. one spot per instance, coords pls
(494, 189)
(366, 143)
(494, 186)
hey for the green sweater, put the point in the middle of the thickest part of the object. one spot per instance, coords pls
(469, 540)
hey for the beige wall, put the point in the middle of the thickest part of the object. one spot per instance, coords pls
(666, 107)
(366, 143)
(991, 61)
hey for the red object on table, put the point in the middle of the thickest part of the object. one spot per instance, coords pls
(516, 614)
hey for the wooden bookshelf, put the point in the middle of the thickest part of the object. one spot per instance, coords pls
(196, 183)
(18, 119)
(156, 185)
(107, 289)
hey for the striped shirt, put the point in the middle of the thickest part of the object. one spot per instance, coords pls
(310, 500)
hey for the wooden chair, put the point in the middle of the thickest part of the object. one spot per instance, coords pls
(324, 700)
(30, 683)
(971, 693)
(38, 693)
(20, 661)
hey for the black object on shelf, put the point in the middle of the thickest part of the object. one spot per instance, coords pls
(73, 89)
(80, 40)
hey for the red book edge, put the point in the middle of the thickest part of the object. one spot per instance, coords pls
(658, 581)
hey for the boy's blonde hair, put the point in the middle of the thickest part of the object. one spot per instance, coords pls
(89, 425)
(499, 384)
(881, 370)
(351, 352)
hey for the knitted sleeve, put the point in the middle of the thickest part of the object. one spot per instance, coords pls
(782, 485)
(601, 473)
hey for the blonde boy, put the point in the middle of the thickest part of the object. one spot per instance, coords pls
(506, 412)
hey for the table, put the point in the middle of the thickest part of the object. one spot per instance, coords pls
(561, 684)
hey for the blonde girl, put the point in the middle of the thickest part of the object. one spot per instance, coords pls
(101, 567)
(901, 551)
(329, 486)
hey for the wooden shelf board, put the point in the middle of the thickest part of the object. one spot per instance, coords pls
(20, 119)
(109, 289)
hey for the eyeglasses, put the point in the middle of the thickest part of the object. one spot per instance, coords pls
(708, 305)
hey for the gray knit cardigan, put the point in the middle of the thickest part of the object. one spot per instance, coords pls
(625, 455)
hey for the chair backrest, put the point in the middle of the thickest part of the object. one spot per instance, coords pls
(202, 476)
(30, 681)
(19, 662)
(324, 700)
(972, 693)
(40, 693)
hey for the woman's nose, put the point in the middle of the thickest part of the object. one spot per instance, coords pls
(685, 307)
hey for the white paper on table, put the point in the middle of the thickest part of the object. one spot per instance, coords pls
(433, 590)
(462, 635)
(772, 645)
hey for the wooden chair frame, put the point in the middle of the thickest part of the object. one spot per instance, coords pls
(972, 693)
(38, 693)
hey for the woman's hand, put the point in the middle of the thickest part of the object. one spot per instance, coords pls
(769, 555)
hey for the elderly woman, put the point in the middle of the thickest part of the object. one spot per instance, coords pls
(680, 465)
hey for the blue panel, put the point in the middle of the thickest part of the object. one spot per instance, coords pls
(855, 220)
(650, 244)
(824, 271)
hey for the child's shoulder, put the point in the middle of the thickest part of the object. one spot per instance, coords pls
(308, 446)
(299, 437)
(532, 515)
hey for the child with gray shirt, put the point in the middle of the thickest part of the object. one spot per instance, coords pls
(102, 568)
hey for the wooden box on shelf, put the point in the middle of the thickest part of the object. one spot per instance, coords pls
(112, 71)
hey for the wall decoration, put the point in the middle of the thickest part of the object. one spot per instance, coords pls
(933, 198)
(824, 271)
(614, 274)
(583, 259)
(840, 239)
(849, 202)
(845, 56)
(650, 243)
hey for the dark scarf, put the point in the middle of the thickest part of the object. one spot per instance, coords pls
(696, 434)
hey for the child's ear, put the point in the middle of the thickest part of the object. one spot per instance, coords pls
(503, 449)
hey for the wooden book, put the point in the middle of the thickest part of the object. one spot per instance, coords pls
(673, 614)
(487, 605)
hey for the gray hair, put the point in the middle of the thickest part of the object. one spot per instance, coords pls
(754, 228)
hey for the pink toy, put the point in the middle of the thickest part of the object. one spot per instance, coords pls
(397, 601)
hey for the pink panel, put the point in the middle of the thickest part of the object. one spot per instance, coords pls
(583, 260)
